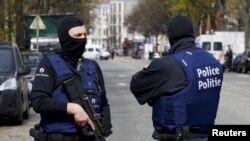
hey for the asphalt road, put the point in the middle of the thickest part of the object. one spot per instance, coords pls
(131, 121)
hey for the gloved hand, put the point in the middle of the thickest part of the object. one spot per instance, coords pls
(107, 126)
(151, 102)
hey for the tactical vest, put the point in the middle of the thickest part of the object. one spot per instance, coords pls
(196, 105)
(62, 122)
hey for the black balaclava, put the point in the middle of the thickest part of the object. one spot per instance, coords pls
(72, 48)
(178, 28)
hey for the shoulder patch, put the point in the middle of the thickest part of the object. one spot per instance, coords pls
(41, 72)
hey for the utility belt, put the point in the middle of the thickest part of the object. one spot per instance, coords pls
(62, 137)
(179, 134)
(39, 135)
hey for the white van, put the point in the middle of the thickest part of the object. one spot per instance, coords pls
(211, 44)
(95, 52)
(44, 43)
(217, 43)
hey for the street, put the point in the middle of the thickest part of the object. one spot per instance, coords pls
(131, 121)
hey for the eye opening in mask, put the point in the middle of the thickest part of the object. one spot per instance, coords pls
(78, 32)
(79, 35)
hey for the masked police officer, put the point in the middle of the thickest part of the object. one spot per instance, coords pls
(183, 88)
(60, 118)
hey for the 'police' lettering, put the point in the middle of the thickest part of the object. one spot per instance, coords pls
(208, 71)
(208, 77)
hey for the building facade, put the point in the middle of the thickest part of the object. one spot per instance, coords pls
(110, 29)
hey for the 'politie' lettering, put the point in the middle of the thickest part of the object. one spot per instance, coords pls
(207, 77)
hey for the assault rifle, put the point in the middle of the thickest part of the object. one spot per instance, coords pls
(77, 94)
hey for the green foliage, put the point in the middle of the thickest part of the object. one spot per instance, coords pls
(151, 17)
(193, 8)
(7, 20)
(9, 12)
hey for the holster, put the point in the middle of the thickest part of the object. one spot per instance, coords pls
(38, 133)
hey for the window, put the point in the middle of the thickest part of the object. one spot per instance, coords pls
(31, 60)
(120, 19)
(119, 29)
(120, 7)
(206, 45)
(90, 49)
(107, 22)
(114, 8)
(248, 55)
(217, 46)
(6, 61)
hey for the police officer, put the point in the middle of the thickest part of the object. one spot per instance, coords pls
(183, 87)
(59, 116)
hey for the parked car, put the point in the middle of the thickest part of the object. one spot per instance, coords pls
(236, 63)
(13, 85)
(95, 52)
(156, 55)
(103, 54)
(244, 64)
(31, 59)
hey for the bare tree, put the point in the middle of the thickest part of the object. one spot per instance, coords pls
(81, 8)
(19, 22)
(10, 20)
(12, 14)
(149, 18)
(245, 4)
(2, 18)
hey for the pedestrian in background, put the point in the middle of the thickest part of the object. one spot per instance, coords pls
(113, 53)
(183, 87)
(61, 119)
(228, 58)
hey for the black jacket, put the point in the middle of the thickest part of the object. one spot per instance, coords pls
(44, 85)
(163, 76)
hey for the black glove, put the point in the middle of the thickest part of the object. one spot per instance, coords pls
(107, 127)
(86, 131)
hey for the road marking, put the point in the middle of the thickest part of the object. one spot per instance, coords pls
(122, 84)
(242, 83)
(243, 75)
(122, 75)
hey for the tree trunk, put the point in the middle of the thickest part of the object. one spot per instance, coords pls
(247, 33)
(246, 18)
(19, 22)
(9, 21)
(208, 27)
(200, 27)
(2, 19)
(156, 42)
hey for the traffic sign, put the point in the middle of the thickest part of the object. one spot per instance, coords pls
(37, 23)
(149, 40)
